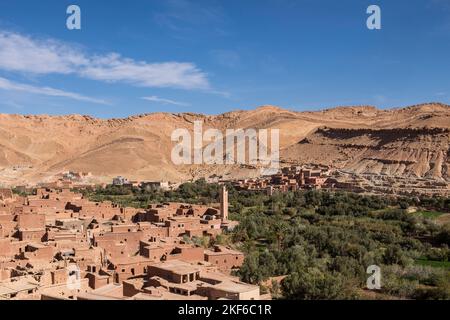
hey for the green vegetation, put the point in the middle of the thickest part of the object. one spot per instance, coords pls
(21, 192)
(196, 193)
(323, 242)
(432, 263)
(429, 214)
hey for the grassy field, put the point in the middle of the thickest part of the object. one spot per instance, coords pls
(429, 214)
(434, 264)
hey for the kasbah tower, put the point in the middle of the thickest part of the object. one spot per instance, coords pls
(224, 204)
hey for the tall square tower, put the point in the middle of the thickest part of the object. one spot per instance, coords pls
(224, 204)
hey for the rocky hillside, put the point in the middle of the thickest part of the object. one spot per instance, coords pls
(412, 141)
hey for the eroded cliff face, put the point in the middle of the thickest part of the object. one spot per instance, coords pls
(408, 152)
(412, 141)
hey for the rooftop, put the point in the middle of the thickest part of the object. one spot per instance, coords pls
(177, 267)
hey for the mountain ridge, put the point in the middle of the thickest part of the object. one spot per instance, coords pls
(398, 141)
(435, 106)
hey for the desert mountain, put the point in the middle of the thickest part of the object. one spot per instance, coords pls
(412, 141)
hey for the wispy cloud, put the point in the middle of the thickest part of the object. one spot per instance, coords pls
(13, 104)
(185, 17)
(24, 54)
(165, 101)
(6, 84)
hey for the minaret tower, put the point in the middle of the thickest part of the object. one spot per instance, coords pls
(224, 204)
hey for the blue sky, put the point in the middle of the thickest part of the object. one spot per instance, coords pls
(212, 56)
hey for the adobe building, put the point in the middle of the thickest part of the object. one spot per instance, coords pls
(225, 259)
(18, 290)
(129, 267)
(121, 253)
(186, 279)
(99, 280)
(288, 179)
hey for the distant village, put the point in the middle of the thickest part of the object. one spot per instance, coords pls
(295, 178)
(289, 178)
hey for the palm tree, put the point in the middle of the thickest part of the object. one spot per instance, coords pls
(280, 231)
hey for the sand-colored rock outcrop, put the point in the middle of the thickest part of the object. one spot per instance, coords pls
(412, 141)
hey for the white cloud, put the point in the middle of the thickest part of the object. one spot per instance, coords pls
(26, 55)
(19, 53)
(6, 84)
(185, 15)
(114, 68)
(164, 101)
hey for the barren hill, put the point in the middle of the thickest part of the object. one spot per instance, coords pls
(412, 141)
